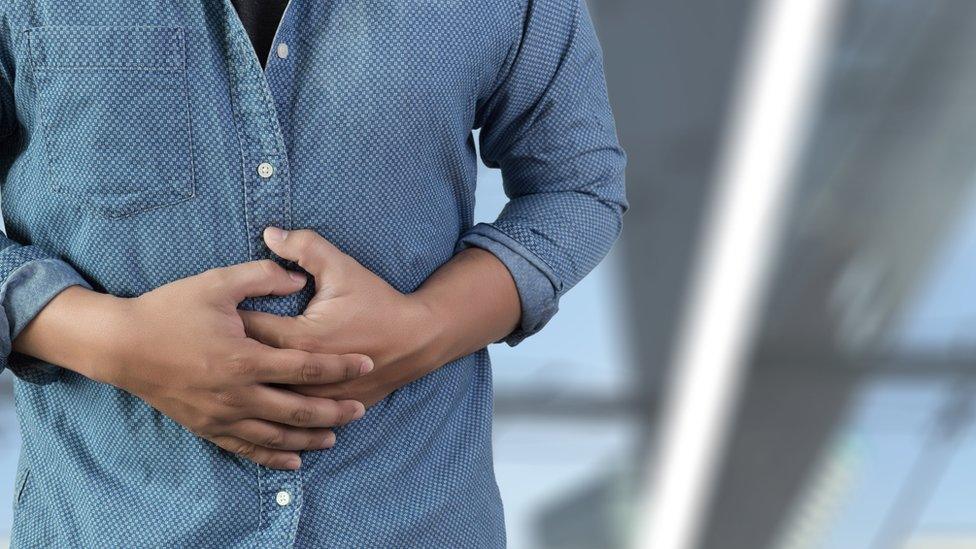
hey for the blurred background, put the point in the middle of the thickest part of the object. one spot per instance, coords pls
(851, 402)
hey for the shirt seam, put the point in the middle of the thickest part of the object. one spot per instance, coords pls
(518, 22)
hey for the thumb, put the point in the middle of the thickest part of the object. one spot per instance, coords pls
(312, 252)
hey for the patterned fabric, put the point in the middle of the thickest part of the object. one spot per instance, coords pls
(132, 135)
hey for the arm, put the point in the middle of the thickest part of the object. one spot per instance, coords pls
(30, 276)
(466, 304)
(546, 123)
(183, 350)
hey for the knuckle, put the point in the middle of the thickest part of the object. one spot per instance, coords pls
(304, 241)
(303, 342)
(268, 267)
(312, 372)
(302, 416)
(245, 449)
(274, 439)
(208, 367)
(302, 236)
(227, 399)
(203, 426)
(237, 366)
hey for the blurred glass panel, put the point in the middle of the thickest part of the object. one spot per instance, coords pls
(544, 465)
(872, 471)
(950, 514)
(855, 429)
(938, 320)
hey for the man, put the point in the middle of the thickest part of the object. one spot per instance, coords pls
(213, 267)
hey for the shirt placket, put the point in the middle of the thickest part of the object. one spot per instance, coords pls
(267, 182)
(267, 192)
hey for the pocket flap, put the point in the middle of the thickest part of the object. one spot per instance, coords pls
(134, 48)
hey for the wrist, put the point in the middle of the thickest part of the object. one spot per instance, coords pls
(107, 336)
(428, 343)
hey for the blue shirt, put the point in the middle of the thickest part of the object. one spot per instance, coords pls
(132, 135)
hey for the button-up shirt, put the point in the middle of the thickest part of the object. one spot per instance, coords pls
(142, 142)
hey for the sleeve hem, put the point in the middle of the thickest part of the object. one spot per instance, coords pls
(538, 287)
(23, 294)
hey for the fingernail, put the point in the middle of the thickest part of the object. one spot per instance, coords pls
(274, 234)
(294, 462)
(329, 441)
(297, 277)
(360, 411)
(366, 366)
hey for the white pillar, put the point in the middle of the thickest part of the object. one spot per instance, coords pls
(770, 116)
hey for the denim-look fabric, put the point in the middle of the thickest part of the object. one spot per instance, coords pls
(132, 135)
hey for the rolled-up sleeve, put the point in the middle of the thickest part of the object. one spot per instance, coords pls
(548, 126)
(30, 279)
(29, 275)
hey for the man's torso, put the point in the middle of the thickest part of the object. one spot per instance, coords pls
(144, 124)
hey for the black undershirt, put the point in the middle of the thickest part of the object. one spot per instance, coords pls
(260, 18)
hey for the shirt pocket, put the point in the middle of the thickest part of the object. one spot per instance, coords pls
(114, 115)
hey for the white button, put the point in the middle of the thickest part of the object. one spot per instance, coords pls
(265, 170)
(282, 50)
(283, 498)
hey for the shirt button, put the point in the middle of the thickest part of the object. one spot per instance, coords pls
(283, 498)
(265, 170)
(282, 50)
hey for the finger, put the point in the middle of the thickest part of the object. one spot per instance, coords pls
(295, 367)
(274, 459)
(312, 252)
(280, 437)
(258, 278)
(335, 391)
(282, 332)
(290, 408)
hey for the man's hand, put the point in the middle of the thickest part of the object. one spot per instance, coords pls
(353, 310)
(182, 348)
(468, 303)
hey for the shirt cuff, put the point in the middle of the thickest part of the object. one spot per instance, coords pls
(23, 294)
(538, 287)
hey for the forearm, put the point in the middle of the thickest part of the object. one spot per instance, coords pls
(472, 301)
(71, 330)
